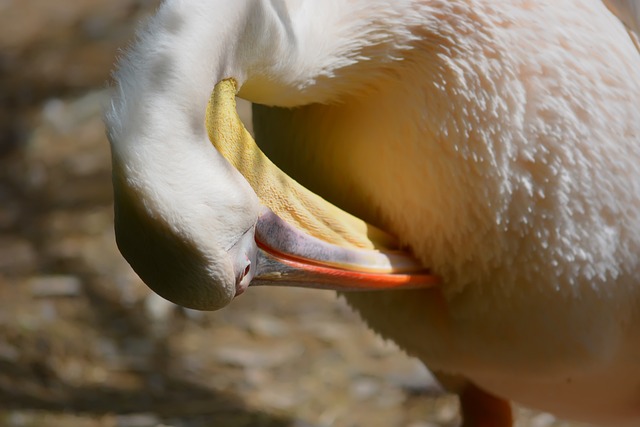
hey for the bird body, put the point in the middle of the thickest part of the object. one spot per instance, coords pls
(498, 140)
(510, 157)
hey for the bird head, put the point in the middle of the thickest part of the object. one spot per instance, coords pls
(200, 212)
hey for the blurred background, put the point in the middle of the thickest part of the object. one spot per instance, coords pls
(83, 343)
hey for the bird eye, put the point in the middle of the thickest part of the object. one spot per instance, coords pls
(245, 272)
(247, 269)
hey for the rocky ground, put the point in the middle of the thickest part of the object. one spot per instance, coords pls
(83, 343)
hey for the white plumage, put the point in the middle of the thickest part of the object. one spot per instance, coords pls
(499, 140)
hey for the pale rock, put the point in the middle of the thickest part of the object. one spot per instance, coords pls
(55, 286)
(270, 357)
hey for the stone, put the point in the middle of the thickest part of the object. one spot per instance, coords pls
(259, 357)
(137, 420)
(55, 286)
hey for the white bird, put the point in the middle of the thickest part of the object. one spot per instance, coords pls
(498, 140)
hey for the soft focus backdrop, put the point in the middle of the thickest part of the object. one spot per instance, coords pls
(83, 343)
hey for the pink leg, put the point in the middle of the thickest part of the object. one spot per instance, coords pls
(481, 409)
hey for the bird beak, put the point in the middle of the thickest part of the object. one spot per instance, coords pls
(290, 257)
(303, 240)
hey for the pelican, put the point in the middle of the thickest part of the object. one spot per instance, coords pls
(465, 172)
